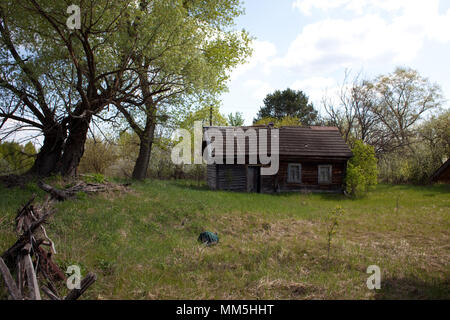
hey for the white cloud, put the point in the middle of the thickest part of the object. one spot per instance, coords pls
(382, 31)
(306, 6)
(315, 88)
(259, 89)
(263, 52)
(357, 6)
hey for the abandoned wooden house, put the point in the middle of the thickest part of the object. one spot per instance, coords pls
(310, 158)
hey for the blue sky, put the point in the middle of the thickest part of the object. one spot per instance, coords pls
(309, 44)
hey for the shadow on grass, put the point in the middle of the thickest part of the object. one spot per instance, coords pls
(438, 188)
(413, 289)
(429, 189)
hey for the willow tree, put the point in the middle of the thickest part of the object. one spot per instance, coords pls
(28, 96)
(124, 53)
(188, 51)
(43, 58)
(120, 53)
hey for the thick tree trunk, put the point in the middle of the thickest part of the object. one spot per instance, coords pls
(145, 150)
(49, 155)
(74, 147)
(146, 136)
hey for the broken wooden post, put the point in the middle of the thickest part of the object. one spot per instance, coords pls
(31, 278)
(9, 281)
(85, 284)
(19, 256)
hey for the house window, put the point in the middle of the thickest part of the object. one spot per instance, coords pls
(295, 173)
(325, 174)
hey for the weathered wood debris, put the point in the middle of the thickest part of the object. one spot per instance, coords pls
(81, 186)
(29, 259)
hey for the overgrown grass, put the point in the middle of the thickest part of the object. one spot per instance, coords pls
(142, 244)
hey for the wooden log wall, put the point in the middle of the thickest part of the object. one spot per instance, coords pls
(232, 177)
(211, 176)
(309, 176)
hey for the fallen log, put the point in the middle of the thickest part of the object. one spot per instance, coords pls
(62, 195)
(57, 194)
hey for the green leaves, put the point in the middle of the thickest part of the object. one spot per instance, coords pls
(15, 158)
(131, 55)
(235, 120)
(333, 220)
(361, 169)
(180, 45)
(288, 103)
(203, 114)
(286, 121)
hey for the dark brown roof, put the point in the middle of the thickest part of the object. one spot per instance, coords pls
(313, 141)
(302, 141)
(443, 173)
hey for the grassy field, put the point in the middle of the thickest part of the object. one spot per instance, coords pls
(143, 244)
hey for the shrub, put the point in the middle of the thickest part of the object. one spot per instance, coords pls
(410, 165)
(278, 123)
(98, 156)
(95, 178)
(361, 170)
(333, 221)
(16, 158)
(415, 163)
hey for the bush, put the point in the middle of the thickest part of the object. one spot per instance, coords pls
(95, 178)
(414, 166)
(15, 158)
(278, 123)
(361, 170)
(417, 162)
(98, 156)
(333, 221)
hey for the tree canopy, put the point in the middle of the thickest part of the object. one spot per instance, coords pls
(126, 54)
(15, 158)
(362, 169)
(278, 123)
(288, 103)
(385, 111)
(236, 119)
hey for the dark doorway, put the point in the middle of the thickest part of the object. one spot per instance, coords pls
(253, 179)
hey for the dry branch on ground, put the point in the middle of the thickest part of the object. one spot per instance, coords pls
(81, 186)
(31, 263)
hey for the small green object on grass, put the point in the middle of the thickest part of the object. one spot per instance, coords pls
(208, 238)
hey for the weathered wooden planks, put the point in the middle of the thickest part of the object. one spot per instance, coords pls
(19, 258)
(9, 281)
